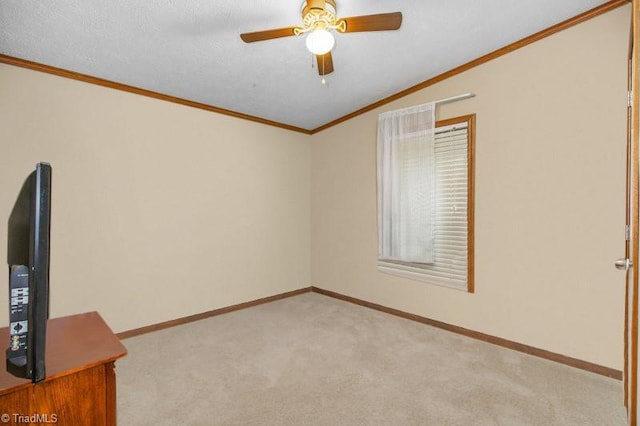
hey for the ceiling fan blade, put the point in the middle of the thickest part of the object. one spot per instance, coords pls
(379, 22)
(267, 35)
(325, 63)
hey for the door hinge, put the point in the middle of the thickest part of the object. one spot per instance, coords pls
(629, 99)
(627, 233)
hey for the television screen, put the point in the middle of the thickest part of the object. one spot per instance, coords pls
(28, 259)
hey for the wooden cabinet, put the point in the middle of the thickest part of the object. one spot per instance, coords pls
(80, 383)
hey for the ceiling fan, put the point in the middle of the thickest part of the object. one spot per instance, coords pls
(318, 18)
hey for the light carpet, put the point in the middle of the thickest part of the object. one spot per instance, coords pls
(314, 360)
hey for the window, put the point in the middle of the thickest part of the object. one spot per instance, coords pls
(450, 210)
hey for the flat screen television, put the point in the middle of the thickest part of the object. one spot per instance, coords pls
(28, 259)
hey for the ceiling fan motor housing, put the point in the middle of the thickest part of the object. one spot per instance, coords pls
(318, 13)
(318, 5)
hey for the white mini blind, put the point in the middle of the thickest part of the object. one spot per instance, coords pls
(449, 267)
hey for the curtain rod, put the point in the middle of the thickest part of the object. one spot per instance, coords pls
(454, 98)
(436, 103)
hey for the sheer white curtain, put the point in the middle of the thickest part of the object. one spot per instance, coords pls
(406, 184)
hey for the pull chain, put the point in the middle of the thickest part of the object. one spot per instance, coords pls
(324, 81)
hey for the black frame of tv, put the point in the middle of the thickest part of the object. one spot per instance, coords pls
(28, 254)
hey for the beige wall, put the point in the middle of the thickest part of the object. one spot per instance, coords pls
(550, 178)
(159, 210)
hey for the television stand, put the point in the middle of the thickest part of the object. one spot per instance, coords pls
(80, 383)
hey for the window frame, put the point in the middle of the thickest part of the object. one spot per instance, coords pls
(413, 270)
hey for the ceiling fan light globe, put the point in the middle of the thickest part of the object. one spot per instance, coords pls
(320, 41)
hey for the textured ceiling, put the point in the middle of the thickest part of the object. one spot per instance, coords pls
(192, 49)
